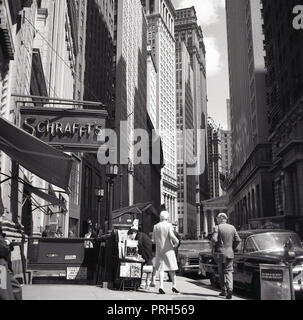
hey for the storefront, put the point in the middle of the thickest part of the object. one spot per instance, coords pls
(45, 162)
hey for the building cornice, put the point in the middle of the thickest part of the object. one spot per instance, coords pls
(158, 15)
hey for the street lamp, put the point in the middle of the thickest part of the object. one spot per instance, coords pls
(111, 173)
(99, 195)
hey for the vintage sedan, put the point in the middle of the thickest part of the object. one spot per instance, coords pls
(258, 247)
(188, 255)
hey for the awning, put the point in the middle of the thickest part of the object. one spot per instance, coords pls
(135, 209)
(46, 162)
(51, 199)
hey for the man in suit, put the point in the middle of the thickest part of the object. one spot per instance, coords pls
(226, 240)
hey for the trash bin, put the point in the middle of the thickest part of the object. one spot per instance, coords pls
(276, 282)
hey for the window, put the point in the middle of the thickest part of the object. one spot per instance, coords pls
(87, 188)
(250, 246)
(75, 183)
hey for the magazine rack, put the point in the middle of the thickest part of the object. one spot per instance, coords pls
(130, 266)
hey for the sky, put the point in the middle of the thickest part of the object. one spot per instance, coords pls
(211, 16)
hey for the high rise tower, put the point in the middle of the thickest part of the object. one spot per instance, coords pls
(161, 25)
(250, 189)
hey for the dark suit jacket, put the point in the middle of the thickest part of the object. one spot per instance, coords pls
(226, 240)
(145, 246)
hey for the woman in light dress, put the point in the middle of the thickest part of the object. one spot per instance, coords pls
(165, 259)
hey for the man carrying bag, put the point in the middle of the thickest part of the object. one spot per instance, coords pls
(226, 240)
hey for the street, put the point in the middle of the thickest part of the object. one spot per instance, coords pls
(190, 288)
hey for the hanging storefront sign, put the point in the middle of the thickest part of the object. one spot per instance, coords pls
(68, 129)
(276, 282)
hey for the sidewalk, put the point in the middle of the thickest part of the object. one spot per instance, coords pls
(190, 290)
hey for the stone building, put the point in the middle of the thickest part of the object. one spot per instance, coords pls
(284, 89)
(188, 31)
(161, 25)
(250, 190)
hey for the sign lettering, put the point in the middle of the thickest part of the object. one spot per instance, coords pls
(68, 129)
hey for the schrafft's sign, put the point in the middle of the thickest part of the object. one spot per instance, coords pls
(75, 130)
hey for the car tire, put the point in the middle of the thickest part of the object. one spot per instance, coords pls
(256, 287)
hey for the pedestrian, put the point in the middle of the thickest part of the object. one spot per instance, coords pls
(89, 235)
(145, 250)
(59, 233)
(226, 240)
(165, 260)
(175, 226)
(46, 232)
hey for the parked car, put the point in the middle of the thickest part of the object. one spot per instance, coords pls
(258, 247)
(188, 255)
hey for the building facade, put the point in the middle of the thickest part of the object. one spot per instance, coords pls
(131, 100)
(284, 62)
(188, 31)
(214, 160)
(98, 69)
(251, 184)
(185, 142)
(161, 23)
(31, 56)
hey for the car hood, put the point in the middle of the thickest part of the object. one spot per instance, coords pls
(278, 255)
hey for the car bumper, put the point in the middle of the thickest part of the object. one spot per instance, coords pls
(191, 269)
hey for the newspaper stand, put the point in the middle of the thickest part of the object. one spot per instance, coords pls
(130, 268)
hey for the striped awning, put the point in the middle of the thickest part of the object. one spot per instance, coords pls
(46, 162)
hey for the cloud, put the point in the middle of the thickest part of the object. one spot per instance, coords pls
(214, 63)
(207, 10)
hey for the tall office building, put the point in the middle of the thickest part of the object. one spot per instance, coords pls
(284, 62)
(56, 47)
(226, 145)
(226, 152)
(161, 22)
(185, 142)
(250, 189)
(214, 160)
(131, 100)
(97, 18)
(190, 33)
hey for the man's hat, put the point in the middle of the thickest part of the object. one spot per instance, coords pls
(222, 215)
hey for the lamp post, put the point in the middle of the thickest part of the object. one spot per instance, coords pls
(111, 174)
(99, 195)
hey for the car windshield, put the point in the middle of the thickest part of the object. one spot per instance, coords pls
(275, 241)
(195, 246)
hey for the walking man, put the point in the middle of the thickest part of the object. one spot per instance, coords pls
(226, 240)
(165, 260)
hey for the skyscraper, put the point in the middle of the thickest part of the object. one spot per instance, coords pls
(131, 99)
(250, 189)
(188, 31)
(161, 21)
(185, 142)
(284, 62)
(214, 160)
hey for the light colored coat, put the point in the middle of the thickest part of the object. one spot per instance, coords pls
(164, 239)
(226, 239)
